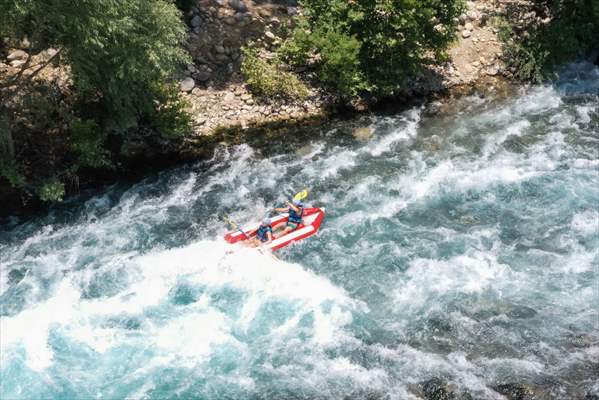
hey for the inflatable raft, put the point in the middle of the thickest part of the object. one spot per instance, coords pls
(311, 220)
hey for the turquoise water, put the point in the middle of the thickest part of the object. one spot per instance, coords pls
(459, 249)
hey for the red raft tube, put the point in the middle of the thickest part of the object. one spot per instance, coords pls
(311, 220)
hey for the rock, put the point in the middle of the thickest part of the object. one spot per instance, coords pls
(466, 34)
(187, 85)
(229, 97)
(51, 52)
(246, 96)
(265, 12)
(363, 133)
(202, 76)
(196, 21)
(468, 26)
(270, 35)
(238, 5)
(222, 58)
(17, 55)
(492, 71)
(515, 391)
(200, 121)
(25, 44)
(17, 63)
(462, 19)
(219, 49)
(472, 15)
(230, 21)
(437, 389)
(292, 10)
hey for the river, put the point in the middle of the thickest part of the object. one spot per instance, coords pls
(458, 258)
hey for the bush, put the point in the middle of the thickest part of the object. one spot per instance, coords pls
(338, 54)
(371, 46)
(268, 79)
(87, 141)
(571, 32)
(51, 190)
(171, 117)
(10, 172)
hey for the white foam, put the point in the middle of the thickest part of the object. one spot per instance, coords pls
(427, 279)
(189, 338)
(586, 222)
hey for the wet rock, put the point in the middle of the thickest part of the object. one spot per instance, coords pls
(187, 84)
(520, 312)
(516, 391)
(364, 133)
(16, 275)
(437, 389)
(466, 34)
(17, 55)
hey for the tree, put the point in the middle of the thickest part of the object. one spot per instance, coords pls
(123, 56)
(372, 45)
(119, 52)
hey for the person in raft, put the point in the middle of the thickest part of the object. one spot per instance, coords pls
(263, 234)
(295, 210)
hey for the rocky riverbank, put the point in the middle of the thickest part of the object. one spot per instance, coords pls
(219, 28)
(223, 108)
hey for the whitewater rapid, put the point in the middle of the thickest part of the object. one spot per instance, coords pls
(459, 254)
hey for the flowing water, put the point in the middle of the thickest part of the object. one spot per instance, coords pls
(458, 258)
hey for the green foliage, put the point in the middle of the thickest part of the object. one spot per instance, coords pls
(87, 142)
(51, 190)
(10, 172)
(123, 57)
(171, 118)
(571, 31)
(338, 54)
(371, 46)
(118, 51)
(268, 79)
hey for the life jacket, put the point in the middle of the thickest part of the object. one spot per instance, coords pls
(294, 217)
(262, 232)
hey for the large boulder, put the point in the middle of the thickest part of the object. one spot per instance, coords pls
(187, 85)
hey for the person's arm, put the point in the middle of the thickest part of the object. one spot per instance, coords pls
(269, 236)
(296, 209)
(282, 209)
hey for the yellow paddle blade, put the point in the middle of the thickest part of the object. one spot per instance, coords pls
(227, 220)
(301, 195)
